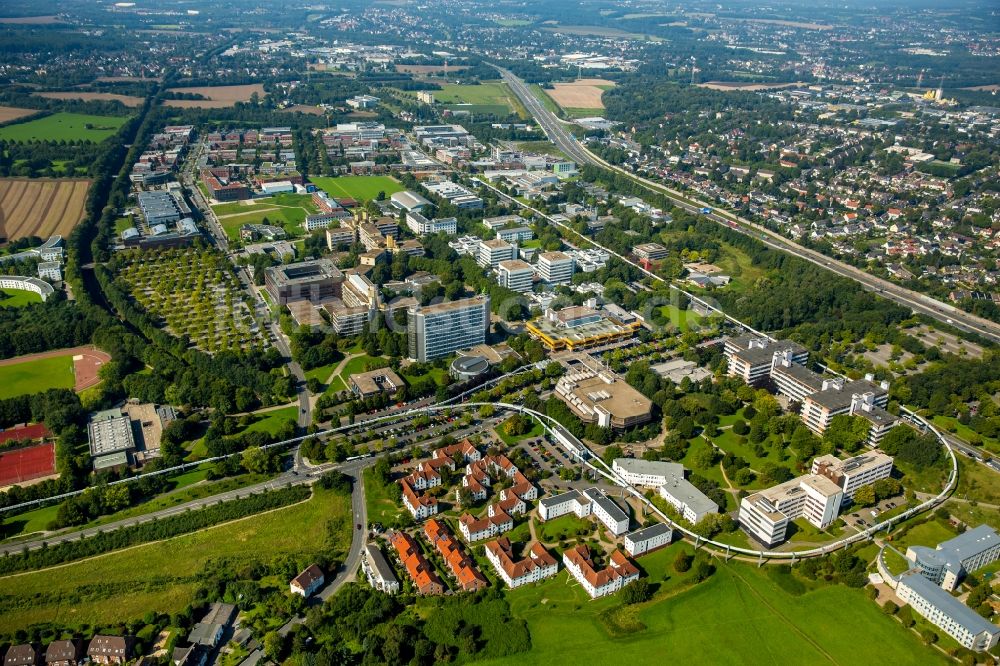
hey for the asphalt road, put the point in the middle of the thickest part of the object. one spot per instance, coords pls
(920, 303)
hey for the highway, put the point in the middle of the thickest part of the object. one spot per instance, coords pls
(557, 133)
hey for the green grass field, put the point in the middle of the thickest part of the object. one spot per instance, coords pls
(64, 126)
(359, 188)
(15, 298)
(536, 431)
(739, 616)
(270, 422)
(684, 320)
(36, 376)
(162, 576)
(493, 98)
(379, 505)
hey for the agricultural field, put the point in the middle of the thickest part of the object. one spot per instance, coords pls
(359, 188)
(17, 298)
(216, 97)
(580, 94)
(64, 127)
(164, 575)
(9, 113)
(36, 375)
(492, 98)
(195, 294)
(36, 207)
(738, 616)
(127, 100)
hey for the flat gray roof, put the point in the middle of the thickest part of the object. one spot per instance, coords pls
(560, 498)
(650, 532)
(378, 562)
(971, 542)
(606, 503)
(958, 612)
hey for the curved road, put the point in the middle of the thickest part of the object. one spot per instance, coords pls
(920, 303)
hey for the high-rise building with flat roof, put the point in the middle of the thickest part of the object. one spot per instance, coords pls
(437, 330)
(515, 274)
(314, 281)
(555, 267)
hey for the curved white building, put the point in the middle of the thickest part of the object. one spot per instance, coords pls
(40, 287)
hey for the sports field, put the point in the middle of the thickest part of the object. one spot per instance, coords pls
(739, 616)
(41, 207)
(116, 587)
(64, 126)
(32, 462)
(359, 188)
(36, 375)
(15, 298)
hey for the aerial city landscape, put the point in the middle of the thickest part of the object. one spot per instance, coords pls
(565, 332)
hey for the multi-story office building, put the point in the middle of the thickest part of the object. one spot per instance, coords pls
(948, 564)
(492, 252)
(792, 379)
(841, 397)
(515, 234)
(947, 613)
(515, 274)
(348, 320)
(853, 473)
(336, 236)
(437, 330)
(158, 207)
(315, 281)
(668, 479)
(420, 225)
(555, 267)
(597, 395)
(750, 357)
(358, 291)
(650, 251)
(765, 515)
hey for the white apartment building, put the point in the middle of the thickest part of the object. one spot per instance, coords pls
(492, 252)
(765, 515)
(792, 379)
(647, 539)
(607, 511)
(515, 274)
(555, 267)
(435, 331)
(377, 570)
(572, 501)
(853, 473)
(947, 613)
(537, 565)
